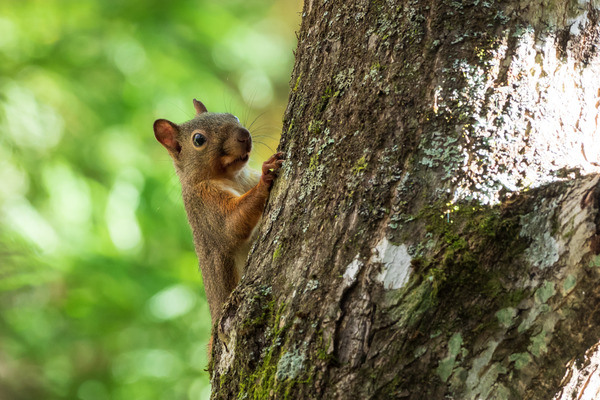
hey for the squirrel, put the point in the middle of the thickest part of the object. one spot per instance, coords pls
(224, 198)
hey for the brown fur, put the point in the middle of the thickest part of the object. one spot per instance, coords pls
(224, 199)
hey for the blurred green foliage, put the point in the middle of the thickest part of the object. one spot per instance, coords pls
(100, 297)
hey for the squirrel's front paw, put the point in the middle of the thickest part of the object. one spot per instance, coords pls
(270, 168)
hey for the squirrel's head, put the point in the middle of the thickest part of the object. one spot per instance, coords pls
(207, 147)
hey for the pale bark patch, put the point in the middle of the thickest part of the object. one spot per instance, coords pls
(396, 264)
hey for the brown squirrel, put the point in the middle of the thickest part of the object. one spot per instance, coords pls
(224, 198)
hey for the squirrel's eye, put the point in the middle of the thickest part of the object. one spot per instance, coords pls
(199, 139)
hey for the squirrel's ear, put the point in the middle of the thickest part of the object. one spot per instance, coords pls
(166, 133)
(200, 108)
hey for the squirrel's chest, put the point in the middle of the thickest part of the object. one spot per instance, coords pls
(236, 187)
(231, 189)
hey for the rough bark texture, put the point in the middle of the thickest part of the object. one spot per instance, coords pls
(435, 232)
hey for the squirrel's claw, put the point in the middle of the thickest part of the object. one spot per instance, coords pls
(271, 167)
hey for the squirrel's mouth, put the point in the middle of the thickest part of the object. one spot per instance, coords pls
(240, 159)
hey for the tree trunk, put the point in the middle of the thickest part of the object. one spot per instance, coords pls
(435, 230)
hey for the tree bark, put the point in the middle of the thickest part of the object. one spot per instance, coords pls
(435, 231)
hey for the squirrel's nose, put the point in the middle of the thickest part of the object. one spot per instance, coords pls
(243, 135)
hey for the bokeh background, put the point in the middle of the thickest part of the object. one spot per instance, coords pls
(100, 296)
